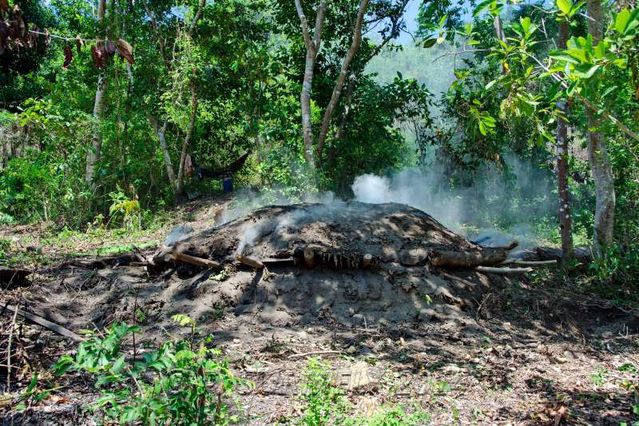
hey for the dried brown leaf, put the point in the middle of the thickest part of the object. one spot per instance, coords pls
(68, 56)
(79, 43)
(125, 50)
(99, 55)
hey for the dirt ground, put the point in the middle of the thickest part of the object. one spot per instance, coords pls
(480, 349)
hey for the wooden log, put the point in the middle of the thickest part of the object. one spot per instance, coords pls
(582, 254)
(46, 323)
(248, 261)
(468, 259)
(197, 261)
(309, 258)
(367, 260)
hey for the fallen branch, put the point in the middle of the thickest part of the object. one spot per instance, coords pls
(197, 261)
(529, 262)
(46, 324)
(12, 327)
(314, 353)
(248, 261)
(503, 271)
(289, 261)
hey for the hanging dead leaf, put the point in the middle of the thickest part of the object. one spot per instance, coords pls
(19, 25)
(110, 48)
(99, 55)
(79, 43)
(125, 50)
(68, 56)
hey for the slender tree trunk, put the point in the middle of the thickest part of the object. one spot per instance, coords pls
(565, 219)
(93, 156)
(598, 153)
(337, 89)
(305, 101)
(161, 134)
(313, 45)
(187, 141)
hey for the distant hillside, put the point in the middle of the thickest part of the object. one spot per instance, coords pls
(429, 66)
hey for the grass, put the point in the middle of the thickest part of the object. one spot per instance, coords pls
(326, 404)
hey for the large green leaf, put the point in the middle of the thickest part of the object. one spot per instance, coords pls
(621, 21)
(564, 6)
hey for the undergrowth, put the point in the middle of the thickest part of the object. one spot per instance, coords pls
(325, 404)
(182, 382)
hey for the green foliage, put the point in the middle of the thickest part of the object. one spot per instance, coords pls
(325, 404)
(179, 383)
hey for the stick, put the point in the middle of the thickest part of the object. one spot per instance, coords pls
(313, 353)
(197, 261)
(289, 261)
(248, 261)
(46, 324)
(530, 262)
(490, 270)
(13, 324)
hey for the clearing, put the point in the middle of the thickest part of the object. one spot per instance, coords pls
(352, 283)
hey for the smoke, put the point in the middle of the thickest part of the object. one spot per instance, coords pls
(513, 201)
(492, 206)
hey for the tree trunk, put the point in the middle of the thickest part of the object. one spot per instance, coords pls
(337, 90)
(565, 219)
(312, 48)
(305, 101)
(187, 141)
(93, 156)
(598, 154)
(161, 133)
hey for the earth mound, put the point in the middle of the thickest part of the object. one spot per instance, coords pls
(370, 263)
(351, 263)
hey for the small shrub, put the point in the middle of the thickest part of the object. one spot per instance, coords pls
(325, 403)
(178, 383)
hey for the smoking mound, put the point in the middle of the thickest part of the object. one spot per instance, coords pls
(349, 263)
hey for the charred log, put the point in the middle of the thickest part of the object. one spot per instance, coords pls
(468, 259)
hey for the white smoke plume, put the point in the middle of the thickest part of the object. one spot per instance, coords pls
(489, 196)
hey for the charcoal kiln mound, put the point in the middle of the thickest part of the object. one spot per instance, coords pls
(353, 264)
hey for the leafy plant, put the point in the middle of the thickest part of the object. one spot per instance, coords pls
(179, 383)
(325, 404)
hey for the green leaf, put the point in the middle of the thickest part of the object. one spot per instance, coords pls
(442, 21)
(429, 42)
(564, 6)
(525, 24)
(621, 21)
(561, 55)
(586, 71)
(482, 6)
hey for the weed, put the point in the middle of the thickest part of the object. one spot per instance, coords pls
(599, 377)
(325, 403)
(178, 383)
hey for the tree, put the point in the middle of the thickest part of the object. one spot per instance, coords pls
(93, 155)
(598, 151)
(565, 218)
